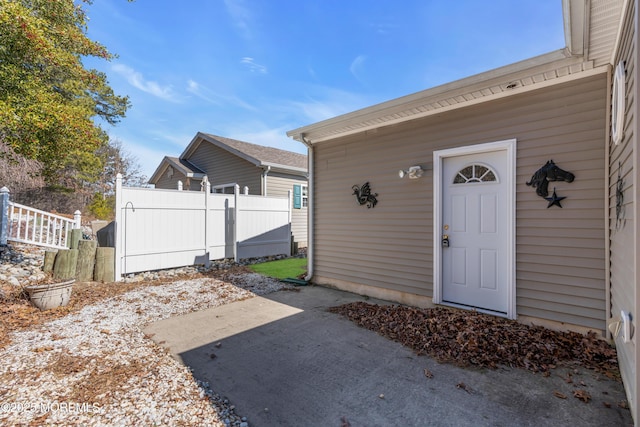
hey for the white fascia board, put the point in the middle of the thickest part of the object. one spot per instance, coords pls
(195, 142)
(195, 175)
(159, 170)
(574, 17)
(181, 168)
(532, 66)
(530, 88)
(285, 169)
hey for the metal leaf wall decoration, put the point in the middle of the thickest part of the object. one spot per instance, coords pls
(364, 196)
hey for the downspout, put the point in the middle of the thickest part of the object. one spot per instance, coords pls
(607, 210)
(310, 198)
(265, 172)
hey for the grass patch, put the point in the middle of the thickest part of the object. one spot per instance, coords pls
(281, 269)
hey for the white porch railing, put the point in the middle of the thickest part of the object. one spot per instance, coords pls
(24, 224)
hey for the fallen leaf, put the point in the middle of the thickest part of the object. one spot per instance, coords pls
(559, 395)
(428, 373)
(464, 387)
(582, 395)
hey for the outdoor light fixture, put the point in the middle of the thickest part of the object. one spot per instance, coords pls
(414, 172)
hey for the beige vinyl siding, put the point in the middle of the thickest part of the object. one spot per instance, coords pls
(279, 184)
(223, 168)
(560, 259)
(623, 243)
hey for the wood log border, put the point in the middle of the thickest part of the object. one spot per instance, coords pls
(85, 262)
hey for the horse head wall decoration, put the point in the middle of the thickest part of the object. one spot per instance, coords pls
(549, 172)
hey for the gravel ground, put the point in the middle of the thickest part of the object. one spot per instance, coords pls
(96, 367)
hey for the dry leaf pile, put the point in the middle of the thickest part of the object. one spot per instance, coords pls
(469, 338)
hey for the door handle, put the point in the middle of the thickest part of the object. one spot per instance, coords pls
(445, 240)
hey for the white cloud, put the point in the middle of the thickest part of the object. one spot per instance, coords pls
(383, 28)
(356, 66)
(253, 66)
(241, 16)
(334, 104)
(201, 92)
(137, 80)
(215, 98)
(312, 72)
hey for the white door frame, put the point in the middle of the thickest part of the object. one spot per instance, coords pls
(438, 158)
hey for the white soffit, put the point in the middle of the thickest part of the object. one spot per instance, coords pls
(605, 17)
(522, 76)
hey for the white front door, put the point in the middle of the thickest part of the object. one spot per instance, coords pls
(475, 223)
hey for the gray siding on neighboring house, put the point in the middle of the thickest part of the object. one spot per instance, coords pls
(172, 183)
(560, 255)
(224, 167)
(622, 240)
(279, 184)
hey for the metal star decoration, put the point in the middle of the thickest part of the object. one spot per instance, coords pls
(554, 199)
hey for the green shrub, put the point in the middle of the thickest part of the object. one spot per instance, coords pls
(102, 207)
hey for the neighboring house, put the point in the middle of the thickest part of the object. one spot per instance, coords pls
(173, 170)
(476, 231)
(265, 171)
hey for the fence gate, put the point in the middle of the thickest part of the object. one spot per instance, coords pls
(158, 229)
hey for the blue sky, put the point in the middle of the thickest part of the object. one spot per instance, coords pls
(254, 69)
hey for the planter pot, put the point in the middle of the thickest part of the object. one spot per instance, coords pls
(50, 295)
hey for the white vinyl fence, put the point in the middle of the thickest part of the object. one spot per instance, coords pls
(24, 224)
(157, 229)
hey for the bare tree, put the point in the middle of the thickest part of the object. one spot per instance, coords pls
(117, 160)
(18, 173)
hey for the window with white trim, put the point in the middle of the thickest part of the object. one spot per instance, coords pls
(305, 196)
(474, 173)
(224, 188)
